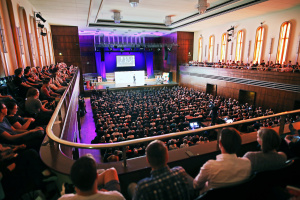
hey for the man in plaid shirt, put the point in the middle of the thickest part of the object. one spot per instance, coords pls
(164, 183)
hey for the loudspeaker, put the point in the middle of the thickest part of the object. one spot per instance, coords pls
(128, 85)
(170, 76)
(166, 53)
(145, 84)
(102, 54)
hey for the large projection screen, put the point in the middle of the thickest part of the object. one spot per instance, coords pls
(127, 77)
(126, 61)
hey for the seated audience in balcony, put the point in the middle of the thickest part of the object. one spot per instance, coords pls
(293, 142)
(20, 82)
(164, 183)
(268, 158)
(46, 92)
(86, 180)
(6, 98)
(17, 121)
(56, 87)
(21, 170)
(31, 79)
(36, 109)
(10, 135)
(227, 169)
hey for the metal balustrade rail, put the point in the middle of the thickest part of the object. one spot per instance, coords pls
(63, 111)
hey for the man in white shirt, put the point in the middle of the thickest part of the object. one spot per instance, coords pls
(86, 180)
(227, 169)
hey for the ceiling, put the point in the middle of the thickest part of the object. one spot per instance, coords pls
(147, 19)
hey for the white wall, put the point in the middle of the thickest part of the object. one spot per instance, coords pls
(272, 23)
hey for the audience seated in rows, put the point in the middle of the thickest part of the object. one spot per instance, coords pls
(269, 66)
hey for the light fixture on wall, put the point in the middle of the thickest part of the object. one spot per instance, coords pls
(202, 6)
(43, 34)
(231, 29)
(134, 3)
(168, 21)
(117, 17)
(38, 15)
(40, 25)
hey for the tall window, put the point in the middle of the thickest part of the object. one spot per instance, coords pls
(200, 50)
(239, 46)
(223, 47)
(283, 42)
(258, 44)
(211, 48)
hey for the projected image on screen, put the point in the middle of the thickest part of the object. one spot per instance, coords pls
(126, 61)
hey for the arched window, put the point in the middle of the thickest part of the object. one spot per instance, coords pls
(239, 45)
(211, 48)
(223, 47)
(258, 44)
(200, 50)
(283, 42)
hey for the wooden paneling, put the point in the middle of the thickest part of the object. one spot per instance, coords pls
(87, 53)
(65, 41)
(278, 100)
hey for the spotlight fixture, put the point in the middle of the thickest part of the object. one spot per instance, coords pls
(110, 48)
(169, 48)
(231, 29)
(158, 49)
(122, 49)
(38, 15)
(229, 34)
(117, 17)
(141, 48)
(131, 49)
(168, 21)
(115, 46)
(40, 25)
(134, 3)
(202, 6)
(43, 34)
(228, 40)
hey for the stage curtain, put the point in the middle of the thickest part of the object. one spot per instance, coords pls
(149, 64)
(100, 66)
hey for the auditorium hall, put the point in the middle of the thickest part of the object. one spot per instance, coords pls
(149, 100)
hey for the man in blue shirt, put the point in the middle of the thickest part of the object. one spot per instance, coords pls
(164, 183)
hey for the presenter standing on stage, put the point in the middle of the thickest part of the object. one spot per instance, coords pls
(134, 78)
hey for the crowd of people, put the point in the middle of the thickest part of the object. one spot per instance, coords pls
(175, 183)
(23, 119)
(131, 114)
(263, 66)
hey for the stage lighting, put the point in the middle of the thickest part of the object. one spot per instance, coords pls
(229, 34)
(43, 34)
(117, 17)
(115, 46)
(231, 29)
(122, 49)
(40, 25)
(134, 3)
(228, 40)
(131, 49)
(40, 17)
(169, 48)
(158, 49)
(141, 48)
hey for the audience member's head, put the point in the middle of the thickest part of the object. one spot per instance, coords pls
(10, 105)
(157, 154)
(84, 173)
(230, 140)
(18, 71)
(32, 92)
(268, 139)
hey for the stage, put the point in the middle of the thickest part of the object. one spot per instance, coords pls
(91, 83)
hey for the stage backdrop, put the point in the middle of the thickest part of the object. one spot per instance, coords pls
(143, 61)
